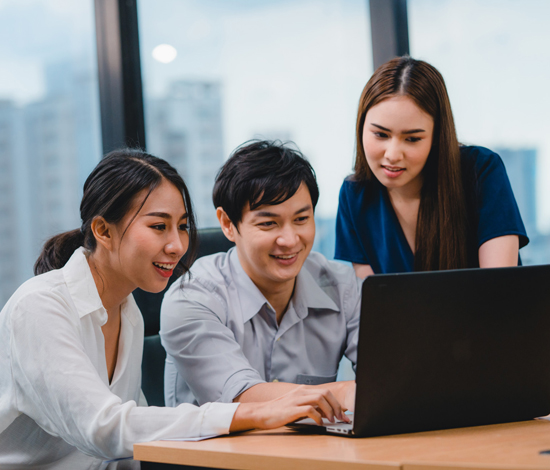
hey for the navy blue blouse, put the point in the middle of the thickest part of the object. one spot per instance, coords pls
(368, 230)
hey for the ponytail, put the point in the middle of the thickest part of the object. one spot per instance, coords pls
(57, 251)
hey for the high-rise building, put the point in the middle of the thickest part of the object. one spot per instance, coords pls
(9, 233)
(47, 149)
(50, 151)
(521, 167)
(61, 147)
(521, 164)
(185, 128)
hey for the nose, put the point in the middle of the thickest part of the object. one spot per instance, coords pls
(394, 152)
(177, 243)
(288, 237)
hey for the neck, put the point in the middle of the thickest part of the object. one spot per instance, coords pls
(408, 193)
(279, 297)
(111, 288)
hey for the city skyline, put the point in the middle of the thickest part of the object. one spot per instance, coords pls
(302, 87)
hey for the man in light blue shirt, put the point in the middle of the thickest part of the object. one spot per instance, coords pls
(269, 315)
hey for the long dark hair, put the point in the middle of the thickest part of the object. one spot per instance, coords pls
(441, 228)
(110, 192)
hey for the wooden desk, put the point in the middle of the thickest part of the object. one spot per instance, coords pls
(513, 446)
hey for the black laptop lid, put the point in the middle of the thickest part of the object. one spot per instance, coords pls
(453, 348)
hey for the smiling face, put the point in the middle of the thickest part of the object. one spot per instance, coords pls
(397, 138)
(146, 251)
(273, 241)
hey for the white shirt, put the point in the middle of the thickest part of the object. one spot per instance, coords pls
(222, 336)
(56, 403)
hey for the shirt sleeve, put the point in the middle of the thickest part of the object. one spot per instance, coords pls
(348, 242)
(498, 211)
(352, 307)
(204, 350)
(57, 386)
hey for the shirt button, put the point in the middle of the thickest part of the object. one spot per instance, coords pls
(278, 339)
(275, 380)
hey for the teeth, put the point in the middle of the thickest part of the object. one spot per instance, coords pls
(393, 169)
(164, 266)
(284, 257)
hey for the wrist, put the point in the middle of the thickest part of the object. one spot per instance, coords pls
(245, 417)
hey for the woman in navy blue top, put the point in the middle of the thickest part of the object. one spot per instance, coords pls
(418, 200)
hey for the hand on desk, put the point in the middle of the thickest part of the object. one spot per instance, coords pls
(344, 393)
(302, 401)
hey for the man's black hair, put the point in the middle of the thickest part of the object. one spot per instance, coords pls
(262, 172)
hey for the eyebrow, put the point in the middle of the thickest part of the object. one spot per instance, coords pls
(411, 131)
(273, 214)
(164, 215)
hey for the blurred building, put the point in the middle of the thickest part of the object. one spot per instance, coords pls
(50, 151)
(61, 147)
(9, 212)
(47, 149)
(521, 166)
(185, 128)
(325, 236)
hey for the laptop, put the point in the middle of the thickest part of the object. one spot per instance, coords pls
(450, 349)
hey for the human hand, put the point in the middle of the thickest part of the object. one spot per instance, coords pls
(343, 391)
(302, 402)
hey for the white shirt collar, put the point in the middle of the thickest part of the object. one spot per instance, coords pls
(84, 293)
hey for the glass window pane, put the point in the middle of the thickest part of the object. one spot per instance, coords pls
(49, 126)
(495, 59)
(230, 71)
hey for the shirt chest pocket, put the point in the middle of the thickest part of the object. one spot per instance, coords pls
(303, 379)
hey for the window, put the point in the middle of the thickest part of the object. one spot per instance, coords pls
(49, 126)
(496, 64)
(277, 69)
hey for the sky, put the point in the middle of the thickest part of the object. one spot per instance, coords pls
(296, 68)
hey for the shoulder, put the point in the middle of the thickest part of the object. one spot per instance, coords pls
(48, 285)
(40, 299)
(328, 273)
(480, 159)
(206, 285)
(337, 280)
(211, 271)
(355, 187)
(359, 195)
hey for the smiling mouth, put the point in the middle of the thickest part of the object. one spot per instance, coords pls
(284, 256)
(165, 266)
(394, 170)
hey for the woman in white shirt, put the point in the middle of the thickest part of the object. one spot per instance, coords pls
(71, 338)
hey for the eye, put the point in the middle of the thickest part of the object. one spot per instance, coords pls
(413, 139)
(302, 219)
(267, 224)
(183, 227)
(380, 135)
(158, 226)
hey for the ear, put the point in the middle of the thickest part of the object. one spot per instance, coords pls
(227, 226)
(103, 232)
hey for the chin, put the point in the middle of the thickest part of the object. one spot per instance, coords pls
(154, 288)
(286, 276)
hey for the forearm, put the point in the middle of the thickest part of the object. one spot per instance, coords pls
(265, 392)
(343, 391)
